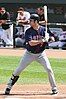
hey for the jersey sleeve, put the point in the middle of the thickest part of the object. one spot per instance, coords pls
(27, 36)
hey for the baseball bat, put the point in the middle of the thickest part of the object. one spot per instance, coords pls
(45, 16)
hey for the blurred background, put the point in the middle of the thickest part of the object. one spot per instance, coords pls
(56, 11)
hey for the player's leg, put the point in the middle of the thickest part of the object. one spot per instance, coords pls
(25, 61)
(11, 82)
(4, 37)
(9, 34)
(45, 62)
(61, 44)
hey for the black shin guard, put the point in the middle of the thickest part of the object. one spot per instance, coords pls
(14, 79)
(11, 82)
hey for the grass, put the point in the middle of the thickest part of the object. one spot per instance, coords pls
(34, 73)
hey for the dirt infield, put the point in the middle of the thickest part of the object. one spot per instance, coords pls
(33, 91)
(19, 52)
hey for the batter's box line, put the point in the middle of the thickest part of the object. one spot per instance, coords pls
(34, 97)
(27, 93)
(31, 93)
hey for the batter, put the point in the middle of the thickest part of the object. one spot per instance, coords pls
(35, 46)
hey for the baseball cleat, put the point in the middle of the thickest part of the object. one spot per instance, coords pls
(7, 91)
(54, 91)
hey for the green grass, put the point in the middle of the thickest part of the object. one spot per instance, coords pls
(34, 73)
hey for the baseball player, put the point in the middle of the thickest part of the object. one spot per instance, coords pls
(35, 46)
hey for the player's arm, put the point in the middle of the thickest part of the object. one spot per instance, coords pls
(42, 22)
(35, 42)
(3, 22)
(22, 21)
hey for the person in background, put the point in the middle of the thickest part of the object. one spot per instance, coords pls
(40, 12)
(7, 28)
(42, 21)
(23, 18)
(51, 36)
(60, 43)
(22, 24)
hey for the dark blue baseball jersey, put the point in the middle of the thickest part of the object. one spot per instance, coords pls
(32, 34)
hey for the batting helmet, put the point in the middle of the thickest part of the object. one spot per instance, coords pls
(34, 17)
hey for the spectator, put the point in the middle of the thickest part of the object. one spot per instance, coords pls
(51, 36)
(61, 42)
(22, 21)
(23, 18)
(40, 12)
(4, 17)
(7, 28)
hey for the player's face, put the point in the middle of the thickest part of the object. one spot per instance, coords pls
(21, 12)
(32, 22)
(2, 11)
(38, 11)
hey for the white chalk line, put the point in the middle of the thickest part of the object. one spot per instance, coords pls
(36, 94)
